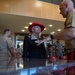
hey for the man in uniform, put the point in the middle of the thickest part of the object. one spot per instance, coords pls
(6, 47)
(68, 34)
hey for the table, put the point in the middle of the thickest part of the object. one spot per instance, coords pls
(13, 66)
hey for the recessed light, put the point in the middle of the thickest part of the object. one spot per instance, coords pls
(45, 28)
(52, 32)
(30, 23)
(23, 30)
(26, 27)
(50, 25)
(59, 30)
(38, 4)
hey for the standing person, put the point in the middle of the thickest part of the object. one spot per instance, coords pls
(6, 46)
(58, 48)
(67, 10)
(18, 51)
(30, 48)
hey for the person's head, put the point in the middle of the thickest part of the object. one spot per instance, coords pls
(58, 40)
(66, 7)
(36, 27)
(49, 45)
(7, 32)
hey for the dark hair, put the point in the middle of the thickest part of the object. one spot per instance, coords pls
(49, 45)
(6, 30)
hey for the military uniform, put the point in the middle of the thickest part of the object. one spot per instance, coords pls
(70, 23)
(59, 52)
(5, 44)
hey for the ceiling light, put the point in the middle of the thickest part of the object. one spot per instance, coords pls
(26, 27)
(23, 30)
(50, 25)
(52, 32)
(30, 23)
(45, 28)
(38, 4)
(59, 30)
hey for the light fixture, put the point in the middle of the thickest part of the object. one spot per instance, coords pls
(22, 30)
(52, 32)
(59, 30)
(50, 25)
(38, 4)
(45, 28)
(21, 65)
(26, 27)
(30, 23)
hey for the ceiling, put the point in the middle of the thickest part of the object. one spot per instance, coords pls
(16, 23)
(55, 1)
(52, 1)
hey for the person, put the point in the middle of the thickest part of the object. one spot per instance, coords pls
(49, 50)
(6, 48)
(58, 48)
(68, 34)
(7, 64)
(30, 48)
(18, 51)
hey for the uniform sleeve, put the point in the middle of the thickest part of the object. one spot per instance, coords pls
(9, 43)
(70, 21)
(73, 20)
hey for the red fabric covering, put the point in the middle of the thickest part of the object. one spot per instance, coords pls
(72, 55)
(64, 58)
(53, 58)
(59, 72)
(36, 24)
(71, 71)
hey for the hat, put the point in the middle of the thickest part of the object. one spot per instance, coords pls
(36, 24)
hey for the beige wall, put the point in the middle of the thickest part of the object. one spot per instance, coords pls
(29, 8)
